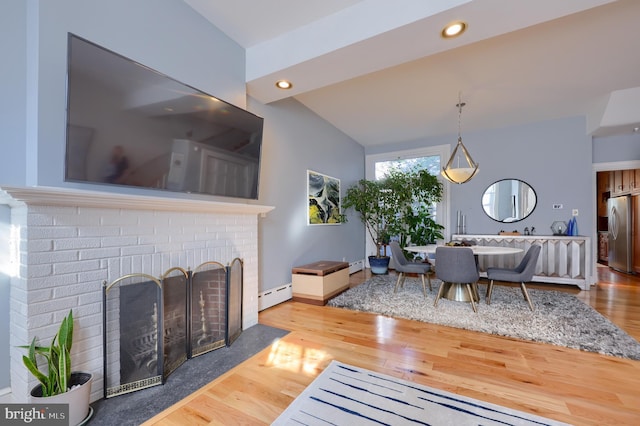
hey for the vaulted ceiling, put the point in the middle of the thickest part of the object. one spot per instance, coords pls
(380, 71)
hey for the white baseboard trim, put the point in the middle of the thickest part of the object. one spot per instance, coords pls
(272, 297)
(6, 397)
(356, 266)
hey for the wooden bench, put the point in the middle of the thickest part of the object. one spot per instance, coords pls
(316, 283)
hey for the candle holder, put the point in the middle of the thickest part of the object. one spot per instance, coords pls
(559, 227)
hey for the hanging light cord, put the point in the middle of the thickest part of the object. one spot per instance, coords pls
(460, 105)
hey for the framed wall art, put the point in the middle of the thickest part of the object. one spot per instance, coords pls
(323, 194)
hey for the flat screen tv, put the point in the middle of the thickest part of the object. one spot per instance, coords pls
(129, 125)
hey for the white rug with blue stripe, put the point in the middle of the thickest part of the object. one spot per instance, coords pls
(346, 395)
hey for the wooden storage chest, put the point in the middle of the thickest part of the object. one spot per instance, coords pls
(317, 282)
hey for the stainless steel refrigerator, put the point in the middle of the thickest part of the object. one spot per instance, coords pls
(620, 250)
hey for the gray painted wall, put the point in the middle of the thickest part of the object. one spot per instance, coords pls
(554, 157)
(297, 140)
(12, 86)
(616, 148)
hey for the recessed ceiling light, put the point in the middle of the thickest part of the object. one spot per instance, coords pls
(454, 29)
(283, 84)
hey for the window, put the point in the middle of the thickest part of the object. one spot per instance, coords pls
(429, 157)
(431, 163)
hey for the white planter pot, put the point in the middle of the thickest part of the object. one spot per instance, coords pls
(77, 398)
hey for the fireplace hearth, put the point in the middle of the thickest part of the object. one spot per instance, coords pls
(153, 325)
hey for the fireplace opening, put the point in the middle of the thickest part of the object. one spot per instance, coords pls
(153, 325)
(208, 314)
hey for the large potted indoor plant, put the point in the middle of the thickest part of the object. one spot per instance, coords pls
(399, 206)
(415, 191)
(375, 204)
(58, 384)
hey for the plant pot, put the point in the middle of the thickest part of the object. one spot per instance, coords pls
(379, 265)
(77, 398)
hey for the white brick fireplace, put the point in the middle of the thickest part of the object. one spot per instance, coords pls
(66, 243)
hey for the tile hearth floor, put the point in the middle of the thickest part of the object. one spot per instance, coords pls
(136, 407)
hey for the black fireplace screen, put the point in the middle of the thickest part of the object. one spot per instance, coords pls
(175, 290)
(152, 326)
(208, 315)
(234, 301)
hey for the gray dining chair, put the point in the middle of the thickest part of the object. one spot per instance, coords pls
(404, 266)
(523, 273)
(457, 266)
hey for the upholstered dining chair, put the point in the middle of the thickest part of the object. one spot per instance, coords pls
(523, 273)
(404, 266)
(457, 266)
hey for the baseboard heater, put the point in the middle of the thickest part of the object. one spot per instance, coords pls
(274, 296)
(356, 266)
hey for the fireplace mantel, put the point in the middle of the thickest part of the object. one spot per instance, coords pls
(49, 196)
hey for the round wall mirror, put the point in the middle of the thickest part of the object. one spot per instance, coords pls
(509, 200)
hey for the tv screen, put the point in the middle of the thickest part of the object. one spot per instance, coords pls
(130, 125)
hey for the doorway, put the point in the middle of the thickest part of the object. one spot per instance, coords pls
(613, 180)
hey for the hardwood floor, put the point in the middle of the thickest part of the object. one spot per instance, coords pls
(576, 387)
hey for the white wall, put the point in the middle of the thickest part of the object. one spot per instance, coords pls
(5, 282)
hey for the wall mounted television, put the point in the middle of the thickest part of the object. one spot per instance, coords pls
(129, 125)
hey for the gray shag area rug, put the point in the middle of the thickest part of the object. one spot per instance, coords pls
(559, 318)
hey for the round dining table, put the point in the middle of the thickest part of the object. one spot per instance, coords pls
(457, 291)
(477, 250)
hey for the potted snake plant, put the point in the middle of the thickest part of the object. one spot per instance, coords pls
(58, 384)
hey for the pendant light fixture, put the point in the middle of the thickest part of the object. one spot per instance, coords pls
(460, 168)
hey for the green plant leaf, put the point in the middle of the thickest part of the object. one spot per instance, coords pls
(65, 334)
(32, 352)
(53, 388)
(58, 359)
(33, 369)
(63, 370)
